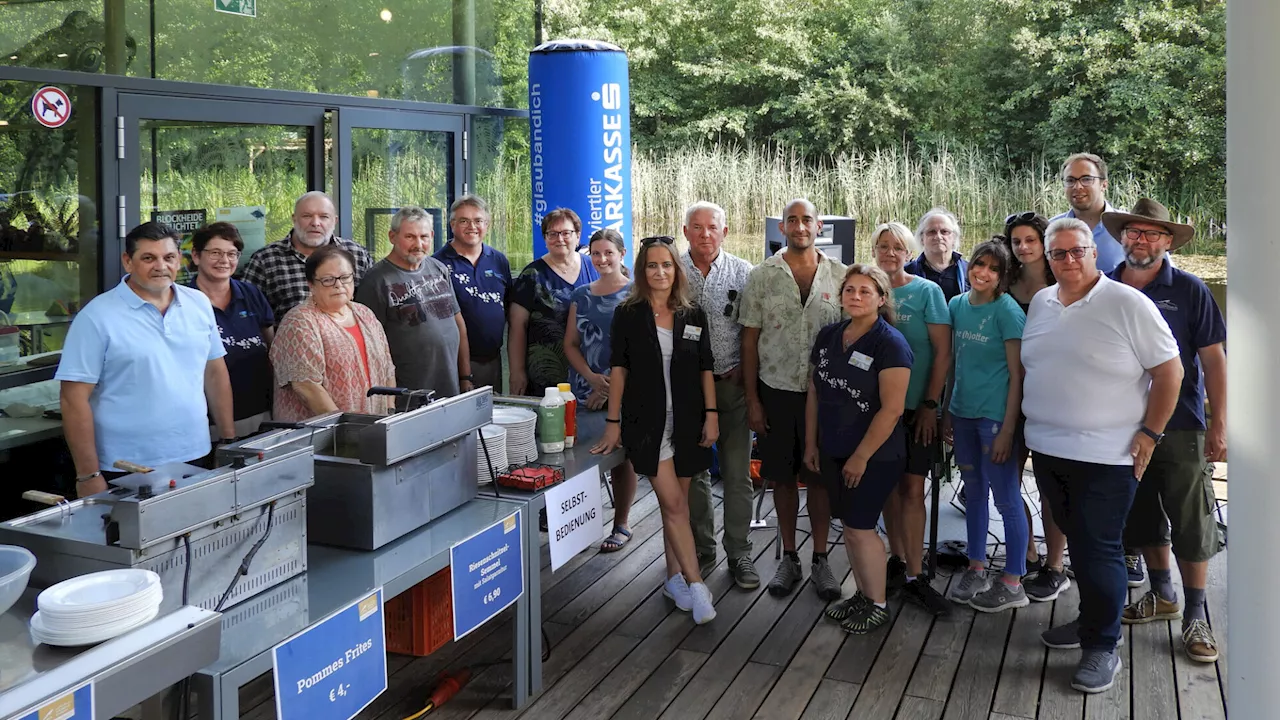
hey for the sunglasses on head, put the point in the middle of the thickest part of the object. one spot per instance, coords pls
(1027, 216)
(664, 239)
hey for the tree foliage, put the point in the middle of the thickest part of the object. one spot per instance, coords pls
(1142, 82)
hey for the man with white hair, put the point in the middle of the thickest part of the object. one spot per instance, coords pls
(716, 281)
(1102, 380)
(279, 268)
(939, 234)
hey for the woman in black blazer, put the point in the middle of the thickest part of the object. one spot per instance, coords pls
(662, 406)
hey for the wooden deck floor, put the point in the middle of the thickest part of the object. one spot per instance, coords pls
(619, 651)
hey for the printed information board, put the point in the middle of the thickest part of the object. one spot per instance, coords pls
(573, 516)
(75, 705)
(487, 570)
(335, 668)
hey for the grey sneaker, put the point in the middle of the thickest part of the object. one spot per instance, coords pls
(744, 573)
(1096, 672)
(1067, 637)
(1000, 596)
(824, 581)
(970, 584)
(1046, 585)
(786, 578)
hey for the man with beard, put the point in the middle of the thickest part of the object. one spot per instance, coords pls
(788, 298)
(145, 353)
(1177, 491)
(1084, 179)
(411, 294)
(279, 268)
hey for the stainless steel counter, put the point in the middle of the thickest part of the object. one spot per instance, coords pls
(125, 671)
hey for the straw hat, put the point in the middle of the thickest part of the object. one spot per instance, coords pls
(1148, 211)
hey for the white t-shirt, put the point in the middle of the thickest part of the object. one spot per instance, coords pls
(1086, 386)
(666, 344)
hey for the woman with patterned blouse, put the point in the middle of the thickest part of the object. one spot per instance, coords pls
(535, 351)
(330, 350)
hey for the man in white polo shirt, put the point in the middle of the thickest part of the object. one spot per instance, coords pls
(1102, 379)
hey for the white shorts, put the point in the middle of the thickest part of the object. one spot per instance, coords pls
(667, 450)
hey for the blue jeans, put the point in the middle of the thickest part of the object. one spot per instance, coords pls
(1090, 503)
(982, 477)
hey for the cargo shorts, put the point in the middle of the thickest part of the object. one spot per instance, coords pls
(1174, 503)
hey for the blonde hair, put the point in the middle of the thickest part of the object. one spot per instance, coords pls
(898, 232)
(881, 280)
(679, 298)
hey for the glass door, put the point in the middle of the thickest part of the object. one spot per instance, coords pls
(387, 159)
(188, 162)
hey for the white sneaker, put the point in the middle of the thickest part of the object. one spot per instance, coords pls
(704, 609)
(677, 590)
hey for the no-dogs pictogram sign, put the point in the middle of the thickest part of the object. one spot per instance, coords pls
(51, 107)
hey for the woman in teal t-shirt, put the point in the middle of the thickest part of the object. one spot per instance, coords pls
(925, 322)
(982, 417)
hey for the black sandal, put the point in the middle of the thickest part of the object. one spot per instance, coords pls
(869, 618)
(845, 608)
(617, 538)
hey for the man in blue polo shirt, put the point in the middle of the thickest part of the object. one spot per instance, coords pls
(1084, 178)
(139, 362)
(1177, 491)
(481, 279)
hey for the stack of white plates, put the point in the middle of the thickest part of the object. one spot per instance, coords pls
(96, 607)
(495, 439)
(522, 440)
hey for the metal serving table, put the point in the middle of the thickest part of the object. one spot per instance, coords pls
(335, 578)
(578, 459)
(125, 671)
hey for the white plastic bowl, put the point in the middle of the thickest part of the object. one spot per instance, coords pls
(16, 564)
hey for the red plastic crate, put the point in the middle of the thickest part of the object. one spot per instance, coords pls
(420, 620)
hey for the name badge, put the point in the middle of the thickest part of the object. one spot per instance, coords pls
(692, 332)
(860, 360)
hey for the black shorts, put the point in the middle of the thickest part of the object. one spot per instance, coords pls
(860, 507)
(920, 458)
(782, 447)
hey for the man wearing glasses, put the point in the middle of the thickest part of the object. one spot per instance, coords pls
(788, 298)
(1084, 178)
(716, 281)
(1102, 379)
(1177, 490)
(412, 296)
(481, 281)
(279, 269)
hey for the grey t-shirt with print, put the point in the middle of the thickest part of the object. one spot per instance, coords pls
(417, 311)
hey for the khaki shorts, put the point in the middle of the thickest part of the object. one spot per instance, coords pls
(1174, 502)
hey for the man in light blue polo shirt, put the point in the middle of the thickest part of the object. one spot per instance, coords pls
(138, 364)
(1084, 178)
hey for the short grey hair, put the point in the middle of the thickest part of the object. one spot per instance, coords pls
(1068, 224)
(411, 214)
(938, 212)
(716, 211)
(311, 195)
(474, 201)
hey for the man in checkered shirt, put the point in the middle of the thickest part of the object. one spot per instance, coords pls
(278, 268)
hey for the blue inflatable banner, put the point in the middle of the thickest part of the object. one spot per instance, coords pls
(580, 136)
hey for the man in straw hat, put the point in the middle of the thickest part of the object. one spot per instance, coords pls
(1177, 491)
(1102, 380)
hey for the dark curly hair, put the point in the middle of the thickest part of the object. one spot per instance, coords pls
(1036, 222)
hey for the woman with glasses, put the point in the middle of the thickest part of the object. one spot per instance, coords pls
(981, 421)
(245, 321)
(1030, 273)
(923, 319)
(854, 435)
(330, 350)
(539, 313)
(662, 406)
(586, 345)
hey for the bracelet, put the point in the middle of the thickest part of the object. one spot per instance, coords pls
(711, 410)
(87, 478)
(611, 420)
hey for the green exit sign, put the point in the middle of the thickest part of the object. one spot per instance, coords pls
(247, 8)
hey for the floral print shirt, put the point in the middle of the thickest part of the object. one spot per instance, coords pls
(788, 327)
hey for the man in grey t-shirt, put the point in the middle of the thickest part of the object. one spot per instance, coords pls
(412, 295)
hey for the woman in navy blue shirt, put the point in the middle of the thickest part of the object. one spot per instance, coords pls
(245, 321)
(854, 434)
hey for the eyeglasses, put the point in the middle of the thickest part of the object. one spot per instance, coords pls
(333, 280)
(1061, 254)
(664, 239)
(556, 234)
(1027, 216)
(1082, 181)
(219, 254)
(728, 309)
(944, 232)
(1150, 235)
(468, 222)
(892, 249)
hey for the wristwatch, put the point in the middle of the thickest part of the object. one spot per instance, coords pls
(929, 404)
(467, 378)
(1151, 434)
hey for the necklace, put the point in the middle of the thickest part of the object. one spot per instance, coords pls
(340, 315)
